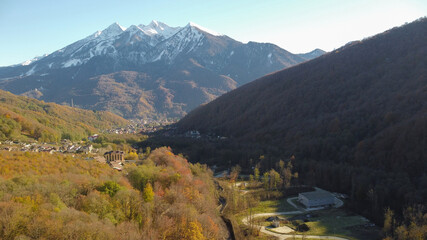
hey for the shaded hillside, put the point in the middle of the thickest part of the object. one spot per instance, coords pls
(363, 106)
(22, 117)
(146, 71)
(363, 92)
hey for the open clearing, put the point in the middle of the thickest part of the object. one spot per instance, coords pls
(329, 222)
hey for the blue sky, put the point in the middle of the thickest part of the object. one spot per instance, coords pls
(35, 27)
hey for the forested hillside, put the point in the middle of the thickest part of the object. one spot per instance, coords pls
(45, 196)
(355, 119)
(27, 118)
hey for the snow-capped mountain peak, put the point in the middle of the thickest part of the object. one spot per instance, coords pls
(112, 30)
(155, 23)
(211, 32)
(137, 44)
(159, 28)
(146, 70)
(133, 29)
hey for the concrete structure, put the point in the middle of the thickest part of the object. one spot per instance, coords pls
(113, 156)
(316, 199)
(117, 165)
(275, 224)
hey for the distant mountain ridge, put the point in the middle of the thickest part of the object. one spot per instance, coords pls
(177, 69)
(313, 54)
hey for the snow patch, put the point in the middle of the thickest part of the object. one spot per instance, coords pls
(28, 62)
(205, 29)
(71, 63)
(156, 28)
(159, 57)
(31, 71)
(97, 33)
(133, 29)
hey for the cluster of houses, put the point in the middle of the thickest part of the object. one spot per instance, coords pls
(192, 134)
(69, 147)
(141, 126)
(115, 159)
(171, 131)
(66, 146)
(196, 135)
(123, 130)
(151, 125)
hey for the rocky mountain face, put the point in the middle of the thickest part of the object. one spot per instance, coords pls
(146, 70)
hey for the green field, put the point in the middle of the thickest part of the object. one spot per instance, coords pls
(330, 222)
(339, 222)
(280, 205)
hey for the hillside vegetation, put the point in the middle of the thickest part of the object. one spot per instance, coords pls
(26, 118)
(45, 196)
(355, 119)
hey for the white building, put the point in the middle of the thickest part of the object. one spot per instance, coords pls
(316, 199)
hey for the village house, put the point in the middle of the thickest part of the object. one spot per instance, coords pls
(316, 199)
(93, 137)
(86, 149)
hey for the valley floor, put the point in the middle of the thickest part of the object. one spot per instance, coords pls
(323, 223)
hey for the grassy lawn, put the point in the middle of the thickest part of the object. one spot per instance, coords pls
(261, 221)
(280, 205)
(267, 206)
(331, 222)
(339, 223)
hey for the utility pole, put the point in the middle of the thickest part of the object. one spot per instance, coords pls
(72, 103)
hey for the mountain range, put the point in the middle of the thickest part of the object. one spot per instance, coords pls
(146, 70)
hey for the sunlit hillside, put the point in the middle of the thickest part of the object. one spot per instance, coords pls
(27, 118)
